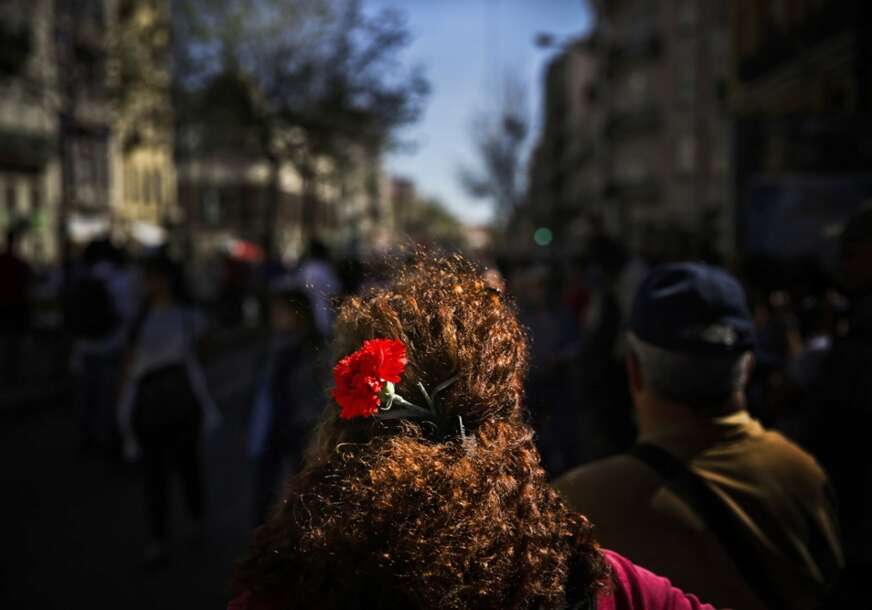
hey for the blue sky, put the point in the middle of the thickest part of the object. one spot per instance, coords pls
(465, 47)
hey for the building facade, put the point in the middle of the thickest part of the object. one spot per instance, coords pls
(29, 154)
(667, 127)
(801, 91)
(144, 190)
(225, 199)
(84, 91)
(239, 180)
(85, 121)
(565, 177)
(637, 132)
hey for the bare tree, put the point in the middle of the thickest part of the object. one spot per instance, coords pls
(499, 136)
(320, 76)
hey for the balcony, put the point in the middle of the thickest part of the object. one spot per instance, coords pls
(15, 48)
(24, 152)
(629, 123)
(585, 153)
(643, 188)
(636, 49)
(642, 43)
(780, 47)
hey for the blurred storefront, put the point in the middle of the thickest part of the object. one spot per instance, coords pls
(223, 199)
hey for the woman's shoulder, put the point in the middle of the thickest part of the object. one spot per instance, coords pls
(635, 588)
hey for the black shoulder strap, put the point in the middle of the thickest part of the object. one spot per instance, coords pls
(717, 517)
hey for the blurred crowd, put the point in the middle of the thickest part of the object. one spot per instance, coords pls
(138, 332)
(132, 333)
(576, 313)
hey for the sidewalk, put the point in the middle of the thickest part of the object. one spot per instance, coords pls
(74, 527)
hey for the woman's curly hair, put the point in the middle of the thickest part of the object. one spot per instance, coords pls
(382, 516)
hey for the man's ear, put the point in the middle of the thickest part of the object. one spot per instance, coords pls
(634, 371)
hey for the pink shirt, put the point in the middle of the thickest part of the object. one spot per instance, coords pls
(634, 588)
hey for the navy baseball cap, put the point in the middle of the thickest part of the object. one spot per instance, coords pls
(692, 308)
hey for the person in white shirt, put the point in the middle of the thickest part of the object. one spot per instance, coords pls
(165, 404)
(319, 279)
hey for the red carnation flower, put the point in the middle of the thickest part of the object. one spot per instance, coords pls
(361, 376)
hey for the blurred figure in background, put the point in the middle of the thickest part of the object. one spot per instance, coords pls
(351, 273)
(233, 285)
(165, 403)
(16, 278)
(553, 344)
(837, 410)
(288, 400)
(318, 277)
(817, 314)
(102, 306)
(709, 498)
(604, 400)
(777, 342)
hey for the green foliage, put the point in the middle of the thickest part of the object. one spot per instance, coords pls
(428, 221)
(323, 67)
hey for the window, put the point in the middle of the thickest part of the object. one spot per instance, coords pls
(720, 48)
(134, 184)
(637, 85)
(11, 199)
(779, 13)
(631, 167)
(145, 192)
(685, 154)
(211, 206)
(101, 164)
(688, 13)
(35, 196)
(685, 76)
(720, 153)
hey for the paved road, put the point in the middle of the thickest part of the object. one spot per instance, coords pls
(72, 527)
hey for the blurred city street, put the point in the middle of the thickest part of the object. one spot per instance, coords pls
(200, 198)
(73, 525)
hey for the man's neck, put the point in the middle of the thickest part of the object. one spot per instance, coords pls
(658, 416)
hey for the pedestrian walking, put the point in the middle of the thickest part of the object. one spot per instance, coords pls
(165, 405)
(836, 412)
(100, 313)
(285, 407)
(318, 276)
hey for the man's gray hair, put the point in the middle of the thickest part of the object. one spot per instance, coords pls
(688, 378)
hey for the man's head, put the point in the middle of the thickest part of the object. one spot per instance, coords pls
(855, 260)
(290, 308)
(690, 339)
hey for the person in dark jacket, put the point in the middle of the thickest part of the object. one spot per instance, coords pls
(287, 402)
(836, 412)
(725, 507)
